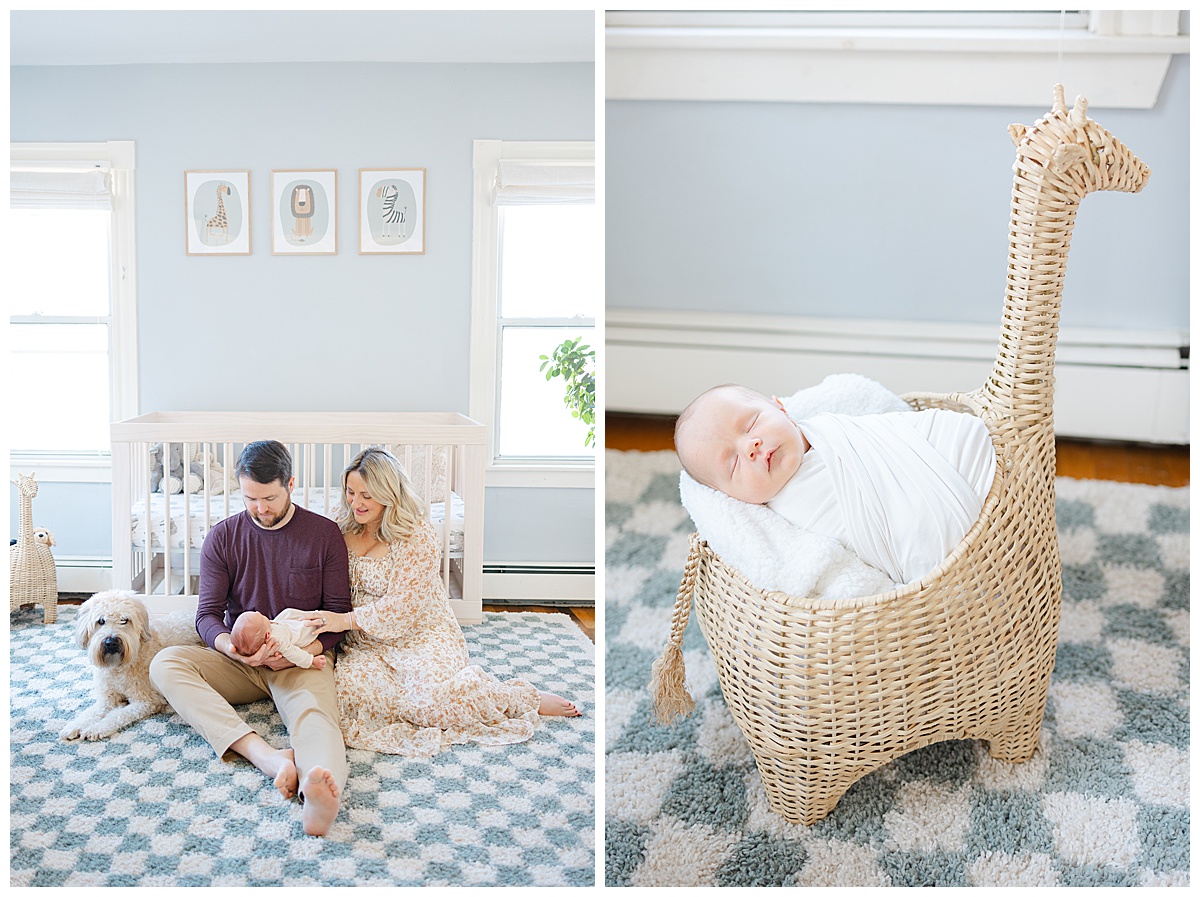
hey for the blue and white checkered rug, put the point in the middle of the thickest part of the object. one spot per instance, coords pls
(153, 806)
(1104, 801)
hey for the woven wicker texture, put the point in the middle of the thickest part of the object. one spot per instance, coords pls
(827, 691)
(32, 577)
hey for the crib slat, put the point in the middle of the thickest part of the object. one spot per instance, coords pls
(166, 487)
(447, 514)
(187, 521)
(328, 477)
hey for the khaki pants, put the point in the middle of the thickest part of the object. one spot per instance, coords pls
(201, 684)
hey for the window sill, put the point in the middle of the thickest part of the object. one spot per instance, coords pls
(52, 468)
(541, 476)
(939, 66)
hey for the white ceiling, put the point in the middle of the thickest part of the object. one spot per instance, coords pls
(111, 37)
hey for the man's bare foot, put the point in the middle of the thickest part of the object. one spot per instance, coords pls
(319, 662)
(321, 800)
(556, 705)
(278, 764)
(287, 778)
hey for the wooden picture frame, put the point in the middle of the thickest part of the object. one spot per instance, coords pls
(304, 211)
(391, 211)
(217, 212)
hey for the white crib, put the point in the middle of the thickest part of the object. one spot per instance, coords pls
(157, 537)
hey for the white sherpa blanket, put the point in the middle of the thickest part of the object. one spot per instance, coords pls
(769, 551)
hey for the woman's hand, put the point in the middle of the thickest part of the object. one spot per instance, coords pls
(328, 621)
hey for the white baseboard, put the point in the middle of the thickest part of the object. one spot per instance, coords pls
(1110, 384)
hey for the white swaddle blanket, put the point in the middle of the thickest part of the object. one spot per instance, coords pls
(771, 552)
(900, 490)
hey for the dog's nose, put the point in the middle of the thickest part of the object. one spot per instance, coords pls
(112, 645)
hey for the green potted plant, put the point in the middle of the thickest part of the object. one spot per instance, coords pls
(576, 364)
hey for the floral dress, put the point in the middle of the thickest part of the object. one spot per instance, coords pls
(405, 684)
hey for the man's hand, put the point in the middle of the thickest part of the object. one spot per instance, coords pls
(277, 661)
(224, 644)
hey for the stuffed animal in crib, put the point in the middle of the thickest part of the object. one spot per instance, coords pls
(178, 478)
(214, 475)
(175, 476)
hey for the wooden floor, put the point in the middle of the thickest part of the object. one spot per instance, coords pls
(1124, 462)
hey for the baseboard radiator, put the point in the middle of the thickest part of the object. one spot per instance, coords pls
(1129, 385)
(566, 585)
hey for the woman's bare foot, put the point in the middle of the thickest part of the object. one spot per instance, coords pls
(321, 801)
(556, 705)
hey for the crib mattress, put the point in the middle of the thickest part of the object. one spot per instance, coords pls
(313, 499)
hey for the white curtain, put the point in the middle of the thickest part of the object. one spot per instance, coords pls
(59, 188)
(521, 182)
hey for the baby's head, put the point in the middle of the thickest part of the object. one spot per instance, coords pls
(249, 632)
(739, 442)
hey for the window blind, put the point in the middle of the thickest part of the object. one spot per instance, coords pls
(60, 188)
(521, 182)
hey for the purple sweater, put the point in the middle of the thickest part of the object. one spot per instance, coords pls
(245, 567)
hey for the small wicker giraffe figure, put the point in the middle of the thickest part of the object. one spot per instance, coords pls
(31, 575)
(220, 221)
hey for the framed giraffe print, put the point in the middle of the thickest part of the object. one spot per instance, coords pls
(391, 211)
(217, 205)
(304, 212)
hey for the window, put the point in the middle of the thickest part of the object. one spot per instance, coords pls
(536, 286)
(71, 332)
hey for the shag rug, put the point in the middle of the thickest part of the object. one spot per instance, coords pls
(1103, 802)
(154, 806)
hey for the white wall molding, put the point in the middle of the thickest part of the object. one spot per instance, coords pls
(658, 361)
(1119, 60)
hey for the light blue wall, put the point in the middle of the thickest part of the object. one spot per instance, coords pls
(877, 211)
(344, 332)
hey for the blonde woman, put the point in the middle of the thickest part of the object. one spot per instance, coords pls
(405, 684)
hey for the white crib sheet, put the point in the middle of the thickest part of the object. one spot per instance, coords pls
(313, 499)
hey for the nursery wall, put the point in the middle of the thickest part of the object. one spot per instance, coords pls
(344, 332)
(877, 211)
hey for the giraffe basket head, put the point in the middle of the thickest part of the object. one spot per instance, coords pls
(26, 485)
(1068, 147)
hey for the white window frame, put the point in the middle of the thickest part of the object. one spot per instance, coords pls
(940, 58)
(485, 305)
(120, 155)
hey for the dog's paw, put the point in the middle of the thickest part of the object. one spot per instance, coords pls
(70, 733)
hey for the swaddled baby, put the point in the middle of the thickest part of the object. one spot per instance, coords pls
(290, 630)
(900, 490)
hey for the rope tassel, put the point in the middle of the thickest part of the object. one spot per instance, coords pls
(668, 676)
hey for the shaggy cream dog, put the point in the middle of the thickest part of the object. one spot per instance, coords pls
(121, 638)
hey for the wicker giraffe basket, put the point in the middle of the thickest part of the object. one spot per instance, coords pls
(32, 577)
(828, 690)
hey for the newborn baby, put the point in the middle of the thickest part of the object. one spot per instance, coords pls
(289, 631)
(900, 490)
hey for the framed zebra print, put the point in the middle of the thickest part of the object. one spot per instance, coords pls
(391, 211)
(217, 209)
(304, 212)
